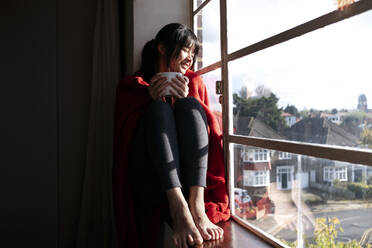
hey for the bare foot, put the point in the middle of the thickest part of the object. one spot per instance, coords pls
(184, 229)
(207, 229)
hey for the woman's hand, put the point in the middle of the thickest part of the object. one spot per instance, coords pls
(180, 89)
(157, 86)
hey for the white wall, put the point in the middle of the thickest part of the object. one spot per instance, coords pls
(149, 16)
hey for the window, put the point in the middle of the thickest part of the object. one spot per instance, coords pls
(256, 178)
(261, 155)
(288, 58)
(331, 173)
(285, 155)
(255, 155)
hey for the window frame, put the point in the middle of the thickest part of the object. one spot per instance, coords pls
(256, 154)
(344, 154)
(284, 155)
(288, 169)
(255, 176)
(334, 173)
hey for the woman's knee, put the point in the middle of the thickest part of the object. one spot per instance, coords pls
(187, 103)
(189, 106)
(158, 110)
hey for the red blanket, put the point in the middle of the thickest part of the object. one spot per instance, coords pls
(131, 100)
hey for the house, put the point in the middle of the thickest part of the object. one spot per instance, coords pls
(321, 130)
(289, 119)
(253, 165)
(336, 118)
(259, 170)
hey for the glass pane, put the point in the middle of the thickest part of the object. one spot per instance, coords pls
(209, 80)
(313, 88)
(252, 21)
(207, 26)
(197, 3)
(291, 196)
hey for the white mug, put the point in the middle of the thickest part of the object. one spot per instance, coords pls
(169, 75)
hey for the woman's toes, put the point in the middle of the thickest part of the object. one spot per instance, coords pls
(221, 232)
(190, 240)
(211, 233)
(198, 240)
(205, 234)
(184, 243)
(175, 242)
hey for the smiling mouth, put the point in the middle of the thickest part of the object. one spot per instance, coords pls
(185, 66)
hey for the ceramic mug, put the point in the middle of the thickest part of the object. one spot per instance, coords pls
(170, 75)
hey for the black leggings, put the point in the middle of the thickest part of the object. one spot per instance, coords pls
(169, 149)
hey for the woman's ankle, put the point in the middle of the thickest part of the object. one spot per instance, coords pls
(176, 198)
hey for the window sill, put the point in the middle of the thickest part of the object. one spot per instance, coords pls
(235, 236)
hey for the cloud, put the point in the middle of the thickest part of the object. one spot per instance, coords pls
(324, 69)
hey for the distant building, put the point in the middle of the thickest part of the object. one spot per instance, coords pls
(336, 118)
(260, 175)
(289, 119)
(323, 131)
(362, 103)
(253, 164)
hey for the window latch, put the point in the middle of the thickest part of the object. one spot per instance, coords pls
(219, 87)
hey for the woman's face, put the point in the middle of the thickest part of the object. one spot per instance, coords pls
(184, 60)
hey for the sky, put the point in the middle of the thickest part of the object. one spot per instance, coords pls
(325, 69)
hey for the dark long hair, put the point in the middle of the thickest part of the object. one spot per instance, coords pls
(174, 37)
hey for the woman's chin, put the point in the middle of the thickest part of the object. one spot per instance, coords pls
(183, 70)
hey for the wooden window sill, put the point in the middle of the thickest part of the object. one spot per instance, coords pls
(235, 236)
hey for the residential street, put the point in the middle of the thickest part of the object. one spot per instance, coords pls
(357, 224)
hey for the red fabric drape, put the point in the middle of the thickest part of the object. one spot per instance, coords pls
(131, 100)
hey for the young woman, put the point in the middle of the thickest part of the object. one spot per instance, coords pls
(168, 151)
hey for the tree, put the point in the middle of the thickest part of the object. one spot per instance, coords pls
(325, 234)
(291, 109)
(366, 137)
(264, 108)
(356, 121)
(262, 91)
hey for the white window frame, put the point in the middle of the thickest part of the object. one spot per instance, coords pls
(256, 178)
(346, 154)
(255, 155)
(285, 155)
(334, 173)
(289, 169)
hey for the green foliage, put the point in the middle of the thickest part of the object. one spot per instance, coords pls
(352, 121)
(361, 190)
(264, 108)
(291, 109)
(325, 234)
(366, 137)
(369, 180)
(339, 184)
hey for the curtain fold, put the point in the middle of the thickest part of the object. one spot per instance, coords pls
(95, 226)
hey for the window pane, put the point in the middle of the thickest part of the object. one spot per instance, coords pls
(313, 88)
(197, 3)
(209, 80)
(251, 21)
(286, 198)
(207, 28)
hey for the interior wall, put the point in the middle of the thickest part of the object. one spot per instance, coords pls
(150, 16)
